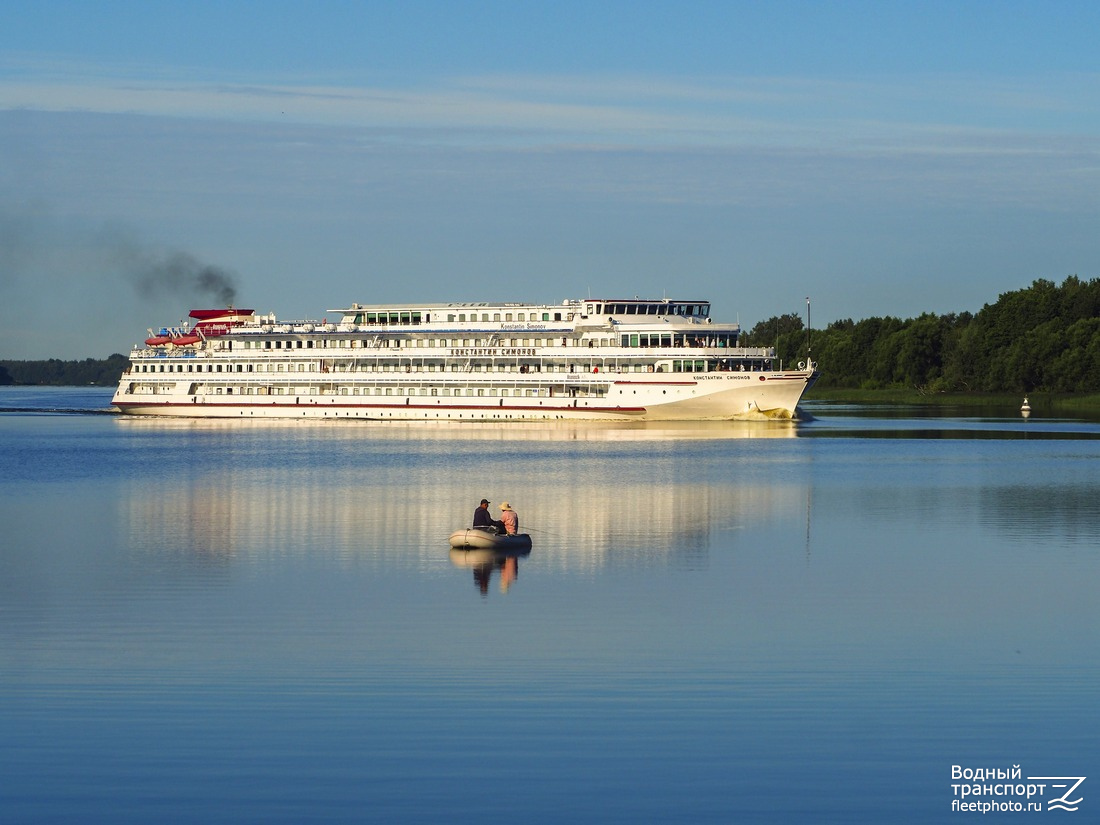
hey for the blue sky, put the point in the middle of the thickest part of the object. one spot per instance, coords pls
(881, 158)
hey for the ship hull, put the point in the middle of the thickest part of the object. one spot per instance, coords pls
(718, 397)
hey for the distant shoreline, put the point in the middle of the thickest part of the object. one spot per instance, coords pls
(1039, 401)
(55, 372)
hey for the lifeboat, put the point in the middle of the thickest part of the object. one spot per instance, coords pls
(158, 339)
(476, 538)
(185, 340)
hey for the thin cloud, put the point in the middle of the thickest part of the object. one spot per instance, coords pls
(563, 110)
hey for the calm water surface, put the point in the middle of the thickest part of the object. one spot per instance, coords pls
(207, 622)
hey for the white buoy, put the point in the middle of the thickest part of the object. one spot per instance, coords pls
(1025, 408)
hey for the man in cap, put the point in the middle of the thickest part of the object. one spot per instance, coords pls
(483, 520)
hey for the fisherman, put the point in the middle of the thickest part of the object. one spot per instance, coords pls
(483, 520)
(509, 518)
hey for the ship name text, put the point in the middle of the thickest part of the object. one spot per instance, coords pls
(466, 352)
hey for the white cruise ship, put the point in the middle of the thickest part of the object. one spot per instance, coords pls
(595, 359)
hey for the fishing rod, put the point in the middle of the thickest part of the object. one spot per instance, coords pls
(547, 532)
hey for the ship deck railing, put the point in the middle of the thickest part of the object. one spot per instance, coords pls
(390, 353)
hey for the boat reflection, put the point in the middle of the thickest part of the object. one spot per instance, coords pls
(484, 562)
(385, 509)
(220, 493)
(357, 430)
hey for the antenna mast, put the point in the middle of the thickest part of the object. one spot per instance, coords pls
(808, 348)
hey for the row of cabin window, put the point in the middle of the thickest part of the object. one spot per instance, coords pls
(389, 318)
(626, 340)
(426, 343)
(373, 318)
(496, 316)
(664, 339)
(414, 318)
(432, 392)
(685, 310)
(370, 366)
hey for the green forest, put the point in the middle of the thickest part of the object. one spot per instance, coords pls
(102, 372)
(1043, 338)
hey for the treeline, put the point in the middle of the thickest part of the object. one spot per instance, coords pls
(102, 372)
(1043, 338)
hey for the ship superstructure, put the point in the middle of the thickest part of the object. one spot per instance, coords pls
(606, 359)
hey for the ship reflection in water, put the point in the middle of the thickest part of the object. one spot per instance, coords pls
(592, 496)
(351, 430)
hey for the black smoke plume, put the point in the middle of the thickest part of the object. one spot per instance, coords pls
(179, 273)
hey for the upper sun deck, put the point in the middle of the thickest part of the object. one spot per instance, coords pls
(592, 323)
(592, 310)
